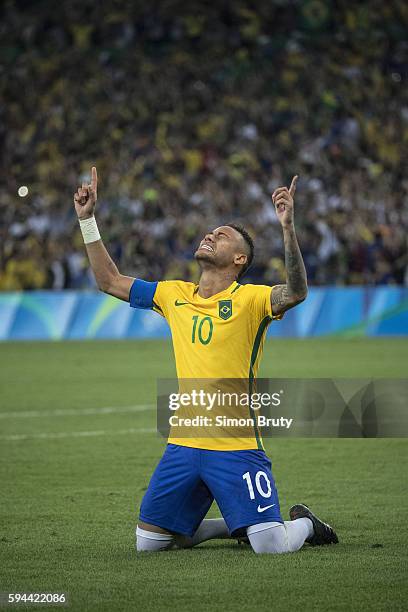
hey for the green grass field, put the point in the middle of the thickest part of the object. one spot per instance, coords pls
(73, 476)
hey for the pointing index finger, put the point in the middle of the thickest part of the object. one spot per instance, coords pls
(292, 187)
(94, 178)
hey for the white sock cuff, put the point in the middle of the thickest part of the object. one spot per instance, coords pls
(262, 527)
(308, 523)
(153, 535)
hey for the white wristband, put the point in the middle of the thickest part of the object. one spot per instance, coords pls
(89, 230)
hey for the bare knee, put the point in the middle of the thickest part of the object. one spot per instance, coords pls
(154, 528)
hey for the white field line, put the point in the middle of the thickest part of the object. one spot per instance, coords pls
(72, 412)
(77, 434)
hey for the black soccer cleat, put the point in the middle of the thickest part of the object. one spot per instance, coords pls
(323, 533)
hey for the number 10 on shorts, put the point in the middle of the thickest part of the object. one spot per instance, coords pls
(261, 482)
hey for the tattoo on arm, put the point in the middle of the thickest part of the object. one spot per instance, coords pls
(295, 290)
(279, 296)
(295, 268)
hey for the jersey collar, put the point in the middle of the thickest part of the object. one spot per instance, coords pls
(233, 287)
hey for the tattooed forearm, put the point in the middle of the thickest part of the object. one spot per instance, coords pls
(296, 280)
(295, 291)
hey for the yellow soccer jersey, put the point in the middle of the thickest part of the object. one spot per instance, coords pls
(220, 337)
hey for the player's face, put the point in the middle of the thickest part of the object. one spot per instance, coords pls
(222, 247)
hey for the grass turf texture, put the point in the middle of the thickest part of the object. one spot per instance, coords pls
(69, 505)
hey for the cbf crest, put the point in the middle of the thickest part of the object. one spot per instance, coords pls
(225, 309)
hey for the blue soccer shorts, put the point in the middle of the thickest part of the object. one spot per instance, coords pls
(187, 480)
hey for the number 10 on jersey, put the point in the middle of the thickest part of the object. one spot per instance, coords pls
(202, 329)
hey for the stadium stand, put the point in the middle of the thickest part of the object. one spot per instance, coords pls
(193, 114)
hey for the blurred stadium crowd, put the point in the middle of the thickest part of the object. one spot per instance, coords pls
(193, 114)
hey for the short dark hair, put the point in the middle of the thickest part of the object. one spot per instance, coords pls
(241, 230)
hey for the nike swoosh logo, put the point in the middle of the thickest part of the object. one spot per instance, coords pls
(264, 508)
(177, 303)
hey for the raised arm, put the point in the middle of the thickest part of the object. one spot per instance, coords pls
(107, 275)
(286, 296)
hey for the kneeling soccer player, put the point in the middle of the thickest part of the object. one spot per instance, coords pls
(218, 330)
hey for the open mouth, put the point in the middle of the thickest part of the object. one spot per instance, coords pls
(207, 247)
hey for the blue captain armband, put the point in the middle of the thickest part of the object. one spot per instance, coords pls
(141, 294)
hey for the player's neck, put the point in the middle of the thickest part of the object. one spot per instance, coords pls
(212, 282)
